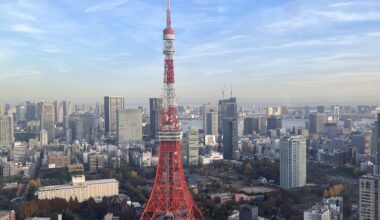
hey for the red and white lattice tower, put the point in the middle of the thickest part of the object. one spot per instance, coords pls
(170, 197)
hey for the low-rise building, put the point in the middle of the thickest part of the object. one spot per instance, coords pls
(81, 189)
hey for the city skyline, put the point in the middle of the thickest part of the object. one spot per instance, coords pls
(286, 52)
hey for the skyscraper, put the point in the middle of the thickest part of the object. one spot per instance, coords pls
(111, 105)
(210, 119)
(83, 126)
(193, 145)
(316, 123)
(6, 131)
(129, 127)
(248, 125)
(369, 186)
(155, 105)
(170, 197)
(47, 120)
(227, 109)
(293, 162)
(31, 109)
(64, 111)
(321, 109)
(274, 122)
(20, 113)
(230, 138)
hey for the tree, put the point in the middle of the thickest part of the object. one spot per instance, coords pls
(28, 209)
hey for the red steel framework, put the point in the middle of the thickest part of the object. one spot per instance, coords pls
(170, 197)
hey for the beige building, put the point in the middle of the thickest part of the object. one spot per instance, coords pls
(369, 197)
(7, 215)
(81, 189)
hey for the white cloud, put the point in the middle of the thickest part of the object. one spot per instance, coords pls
(25, 29)
(106, 5)
(347, 17)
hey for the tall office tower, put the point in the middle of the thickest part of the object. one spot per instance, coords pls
(212, 123)
(248, 126)
(31, 109)
(307, 111)
(316, 123)
(84, 126)
(39, 110)
(210, 119)
(47, 120)
(274, 122)
(230, 138)
(64, 111)
(227, 109)
(129, 125)
(321, 109)
(170, 197)
(111, 105)
(20, 113)
(193, 145)
(6, 131)
(248, 212)
(292, 162)
(155, 105)
(55, 104)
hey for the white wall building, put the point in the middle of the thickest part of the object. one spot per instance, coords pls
(81, 189)
(293, 162)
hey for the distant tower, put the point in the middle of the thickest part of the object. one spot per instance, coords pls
(170, 197)
(47, 120)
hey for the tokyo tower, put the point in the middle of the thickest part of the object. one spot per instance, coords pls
(170, 197)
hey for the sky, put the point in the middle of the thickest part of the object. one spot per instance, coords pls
(270, 51)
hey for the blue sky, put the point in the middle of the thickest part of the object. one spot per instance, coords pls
(272, 51)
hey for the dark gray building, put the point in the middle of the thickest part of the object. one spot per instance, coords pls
(248, 212)
(274, 122)
(227, 109)
(230, 138)
(111, 105)
(155, 105)
(321, 109)
(30, 111)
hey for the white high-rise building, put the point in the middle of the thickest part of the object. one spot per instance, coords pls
(193, 146)
(129, 125)
(369, 197)
(318, 212)
(6, 131)
(47, 120)
(293, 162)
